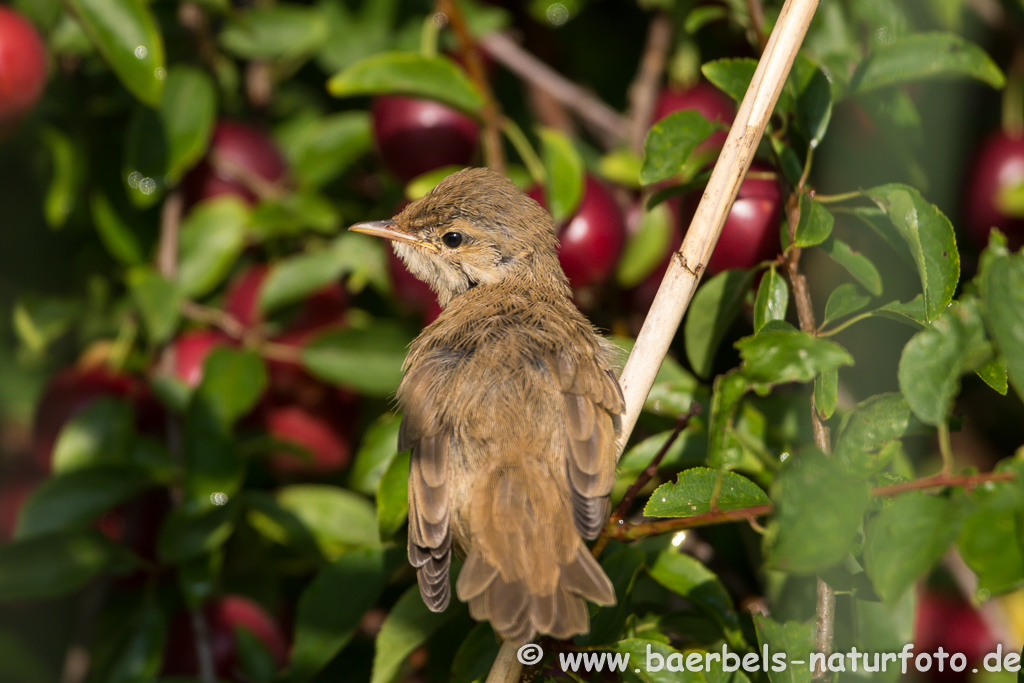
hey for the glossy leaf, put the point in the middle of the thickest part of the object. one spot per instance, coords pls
(1002, 301)
(923, 56)
(376, 451)
(52, 565)
(126, 34)
(476, 655)
(814, 108)
(563, 186)
(646, 248)
(778, 356)
(793, 640)
(994, 374)
(276, 32)
(276, 524)
(815, 224)
(772, 299)
(906, 538)
(320, 149)
(909, 312)
(863, 437)
(723, 448)
(367, 359)
(731, 75)
(295, 277)
(929, 236)
(409, 624)
(818, 513)
(826, 393)
(854, 263)
(408, 73)
(332, 606)
(393, 497)
(117, 236)
(212, 238)
(159, 302)
(698, 490)
(233, 381)
(933, 360)
(990, 538)
(670, 142)
(340, 520)
(75, 499)
(843, 301)
(715, 305)
(101, 434)
(686, 576)
(658, 662)
(188, 106)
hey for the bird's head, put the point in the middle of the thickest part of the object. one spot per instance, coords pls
(474, 228)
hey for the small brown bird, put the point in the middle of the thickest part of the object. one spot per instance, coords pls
(511, 409)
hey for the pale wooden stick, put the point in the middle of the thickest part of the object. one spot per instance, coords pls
(688, 263)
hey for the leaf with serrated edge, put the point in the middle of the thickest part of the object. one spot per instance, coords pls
(692, 491)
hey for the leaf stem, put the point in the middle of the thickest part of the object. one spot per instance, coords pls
(522, 145)
(843, 325)
(834, 198)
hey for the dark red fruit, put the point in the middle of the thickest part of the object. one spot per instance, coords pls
(236, 145)
(948, 621)
(328, 449)
(997, 171)
(137, 523)
(22, 68)
(415, 135)
(751, 232)
(242, 297)
(67, 394)
(223, 616)
(705, 99)
(191, 350)
(590, 242)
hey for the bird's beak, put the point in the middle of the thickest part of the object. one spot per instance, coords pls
(387, 230)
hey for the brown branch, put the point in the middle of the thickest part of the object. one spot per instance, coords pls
(648, 473)
(245, 176)
(643, 93)
(968, 481)
(605, 123)
(215, 317)
(757, 22)
(493, 152)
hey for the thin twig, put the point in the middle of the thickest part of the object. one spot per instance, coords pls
(222, 320)
(244, 175)
(493, 152)
(608, 125)
(757, 22)
(643, 93)
(204, 650)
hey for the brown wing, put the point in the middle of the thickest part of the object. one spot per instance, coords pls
(593, 408)
(430, 537)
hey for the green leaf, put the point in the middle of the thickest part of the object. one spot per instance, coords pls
(52, 565)
(188, 106)
(652, 661)
(331, 607)
(646, 248)
(772, 299)
(688, 450)
(409, 625)
(818, 514)
(189, 533)
(906, 538)
(126, 34)
(101, 434)
(731, 75)
(408, 73)
(376, 451)
(991, 540)
(254, 661)
(826, 393)
(924, 56)
(212, 239)
(715, 305)
(929, 236)
(934, 358)
(295, 277)
(159, 302)
(273, 522)
(41, 320)
(686, 576)
(233, 381)
(294, 213)
(670, 142)
(844, 300)
(318, 150)
(723, 448)
(368, 360)
(68, 162)
(622, 568)
(214, 469)
(866, 432)
(778, 356)
(393, 497)
(340, 520)
(814, 108)
(692, 492)
(1002, 300)
(815, 224)
(858, 266)
(993, 373)
(75, 499)
(475, 656)
(793, 639)
(117, 236)
(563, 186)
(134, 651)
(910, 313)
(275, 32)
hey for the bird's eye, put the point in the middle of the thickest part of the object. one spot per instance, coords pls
(452, 239)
